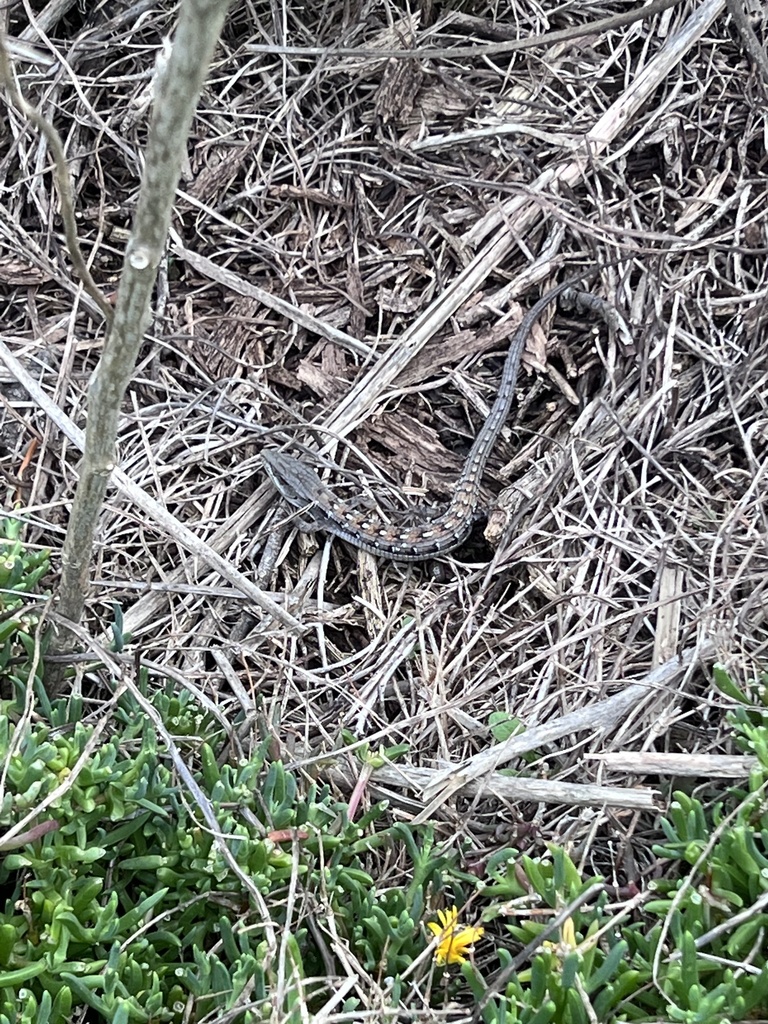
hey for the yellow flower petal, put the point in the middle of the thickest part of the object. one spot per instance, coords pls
(448, 918)
(455, 938)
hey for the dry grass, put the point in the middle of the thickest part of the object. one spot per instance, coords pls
(403, 201)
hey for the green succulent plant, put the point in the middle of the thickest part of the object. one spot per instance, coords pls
(118, 900)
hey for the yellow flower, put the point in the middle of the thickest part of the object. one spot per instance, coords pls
(567, 943)
(455, 938)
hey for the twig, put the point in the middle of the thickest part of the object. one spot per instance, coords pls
(498, 983)
(489, 49)
(599, 717)
(177, 90)
(165, 521)
(749, 38)
(61, 177)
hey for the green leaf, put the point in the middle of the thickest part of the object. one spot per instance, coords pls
(503, 725)
(726, 685)
(491, 1012)
(608, 969)
(122, 1014)
(118, 639)
(9, 934)
(149, 862)
(22, 975)
(131, 920)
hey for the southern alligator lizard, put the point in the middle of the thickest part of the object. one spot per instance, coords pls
(303, 489)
